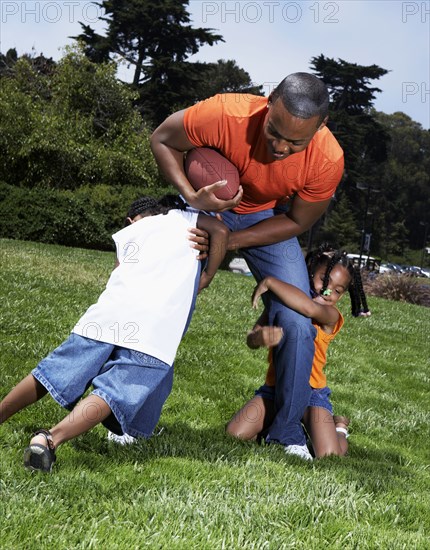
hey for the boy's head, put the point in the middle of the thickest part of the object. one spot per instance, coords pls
(149, 206)
(144, 206)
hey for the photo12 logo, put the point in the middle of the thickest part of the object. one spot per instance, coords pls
(417, 90)
(255, 12)
(415, 11)
(50, 12)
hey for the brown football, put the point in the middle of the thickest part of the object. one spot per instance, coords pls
(205, 166)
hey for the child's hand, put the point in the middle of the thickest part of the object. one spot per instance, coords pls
(264, 336)
(205, 281)
(260, 289)
(199, 241)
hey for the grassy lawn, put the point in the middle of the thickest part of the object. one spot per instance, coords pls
(192, 486)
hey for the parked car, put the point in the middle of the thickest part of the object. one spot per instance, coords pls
(367, 262)
(414, 271)
(391, 268)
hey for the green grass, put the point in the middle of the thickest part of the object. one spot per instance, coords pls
(192, 486)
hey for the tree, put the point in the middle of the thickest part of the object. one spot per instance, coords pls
(39, 63)
(147, 34)
(203, 80)
(406, 180)
(73, 127)
(352, 117)
(354, 122)
(156, 38)
(223, 77)
(348, 83)
(340, 226)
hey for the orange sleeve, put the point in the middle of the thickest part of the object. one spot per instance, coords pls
(325, 169)
(203, 122)
(324, 185)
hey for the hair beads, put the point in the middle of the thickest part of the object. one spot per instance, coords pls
(326, 255)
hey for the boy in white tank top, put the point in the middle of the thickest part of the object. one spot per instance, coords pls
(125, 344)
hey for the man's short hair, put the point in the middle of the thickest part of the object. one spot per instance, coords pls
(303, 95)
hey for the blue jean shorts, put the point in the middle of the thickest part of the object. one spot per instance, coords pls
(133, 384)
(320, 397)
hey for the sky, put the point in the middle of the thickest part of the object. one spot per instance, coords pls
(269, 39)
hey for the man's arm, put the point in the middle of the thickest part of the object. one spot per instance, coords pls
(218, 239)
(169, 142)
(300, 217)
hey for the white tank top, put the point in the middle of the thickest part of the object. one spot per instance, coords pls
(147, 299)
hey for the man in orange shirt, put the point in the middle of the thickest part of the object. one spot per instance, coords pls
(289, 165)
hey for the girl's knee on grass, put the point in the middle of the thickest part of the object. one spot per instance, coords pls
(254, 417)
(321, 427)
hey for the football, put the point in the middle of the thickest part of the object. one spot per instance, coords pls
(205, 166)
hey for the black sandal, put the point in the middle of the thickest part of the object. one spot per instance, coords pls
(39, 457)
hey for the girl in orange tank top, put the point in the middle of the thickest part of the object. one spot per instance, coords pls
(331, 274)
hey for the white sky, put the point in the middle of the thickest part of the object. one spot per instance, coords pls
(270, 38)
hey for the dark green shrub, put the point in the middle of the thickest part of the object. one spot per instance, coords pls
(399, 288)
(72, 127)
(112, 203)
(85, 218)
(51, 216)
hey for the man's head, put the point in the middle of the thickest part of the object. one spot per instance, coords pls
(298, 108)
(303, 95)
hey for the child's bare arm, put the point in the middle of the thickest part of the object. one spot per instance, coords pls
(296, 299)
(218, 239)
(264, 336)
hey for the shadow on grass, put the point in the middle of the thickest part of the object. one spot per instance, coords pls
(374, 470)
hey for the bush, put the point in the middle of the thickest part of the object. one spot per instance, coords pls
(401, 288)
(86, 218)
(51, 216)
(72, 127)
(112, 203)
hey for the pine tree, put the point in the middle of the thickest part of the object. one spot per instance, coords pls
(352, 117)
(156, 38)
(340, 226)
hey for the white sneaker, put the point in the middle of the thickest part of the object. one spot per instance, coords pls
(124, 439)
(298, 450)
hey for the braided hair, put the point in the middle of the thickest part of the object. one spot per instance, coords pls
(148, 206)
(328, 256)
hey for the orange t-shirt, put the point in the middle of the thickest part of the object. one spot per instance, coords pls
(233, 125)
(322, 340)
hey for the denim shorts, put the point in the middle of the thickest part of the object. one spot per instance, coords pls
(320, 397)
(133, 384)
